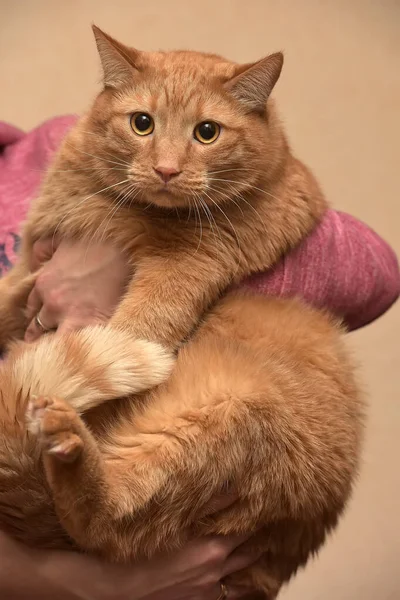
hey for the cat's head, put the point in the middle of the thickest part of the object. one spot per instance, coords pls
(183, 128)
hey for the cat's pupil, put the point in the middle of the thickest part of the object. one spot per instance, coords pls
(207, 130)
(143, 122)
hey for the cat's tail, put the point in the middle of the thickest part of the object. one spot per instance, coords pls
(89, 366)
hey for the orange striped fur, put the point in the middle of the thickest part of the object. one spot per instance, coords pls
(105, 445)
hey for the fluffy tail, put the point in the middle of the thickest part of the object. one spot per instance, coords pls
(88, 367)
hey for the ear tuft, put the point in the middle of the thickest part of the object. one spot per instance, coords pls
(253, 84)
(118, 61)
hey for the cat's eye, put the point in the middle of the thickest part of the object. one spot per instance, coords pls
(206, 132)
(142, 123)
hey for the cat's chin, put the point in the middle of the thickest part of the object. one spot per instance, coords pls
(167, 200)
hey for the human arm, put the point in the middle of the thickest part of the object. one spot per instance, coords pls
(39, 575)
(343, 266)
(192, 573)
(80, 286)
(84, 285)
(358, 278)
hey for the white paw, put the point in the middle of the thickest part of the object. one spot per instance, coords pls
(33, 416)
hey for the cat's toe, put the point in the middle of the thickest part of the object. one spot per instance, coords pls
(57, 426)
(65, 446)
(34, 413)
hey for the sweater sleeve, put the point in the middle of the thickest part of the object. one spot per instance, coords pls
(343, 266)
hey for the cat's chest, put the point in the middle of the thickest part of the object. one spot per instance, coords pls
(147, 233)
(143, 231)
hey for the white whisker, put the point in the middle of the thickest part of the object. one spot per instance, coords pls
(110, 216)
(229, 197)
(241, 199)
(251, 186)
(228, 220)
(232, 170)
(189, 211)
(98, 135)
(136, 192)
(106, 169)
(75, 208)
(236, 170)
(113, 208)
(107, 188)
(200, 224)
(210, 217)
(121, 164)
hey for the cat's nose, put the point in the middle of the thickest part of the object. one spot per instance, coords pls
(166, 173)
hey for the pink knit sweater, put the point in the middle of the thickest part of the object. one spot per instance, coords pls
(343, 265)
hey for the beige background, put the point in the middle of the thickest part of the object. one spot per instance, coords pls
(340, 97)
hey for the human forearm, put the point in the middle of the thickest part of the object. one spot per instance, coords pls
(194, 572)
(342, 266)
(21, 574)
(42, 575)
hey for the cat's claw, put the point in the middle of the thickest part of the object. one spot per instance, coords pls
(57, 426)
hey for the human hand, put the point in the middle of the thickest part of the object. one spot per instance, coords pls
(195, 572)
(78, 285)
(192, 573)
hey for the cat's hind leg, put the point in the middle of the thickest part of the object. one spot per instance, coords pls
(95, 499)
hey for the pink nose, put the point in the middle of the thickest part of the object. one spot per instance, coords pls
(166, 173)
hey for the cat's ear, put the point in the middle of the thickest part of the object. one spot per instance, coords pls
(252, 84)
(118, 61)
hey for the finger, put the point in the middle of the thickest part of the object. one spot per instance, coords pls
(219, 592)
(235, 592)
(222, 546)
(67, 326)
(243, 593)
(74, 323)
(34, 331)
(33, 305)
(42, 251)
(240, 559)
(217, 503)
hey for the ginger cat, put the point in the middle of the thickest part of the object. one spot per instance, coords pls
(183, 163)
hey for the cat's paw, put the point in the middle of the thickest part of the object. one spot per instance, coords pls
(57, 427)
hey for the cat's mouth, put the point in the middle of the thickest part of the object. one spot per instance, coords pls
(171, 194)
(179, 192)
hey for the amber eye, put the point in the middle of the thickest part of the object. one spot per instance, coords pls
(142, 123)
(206, 132)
